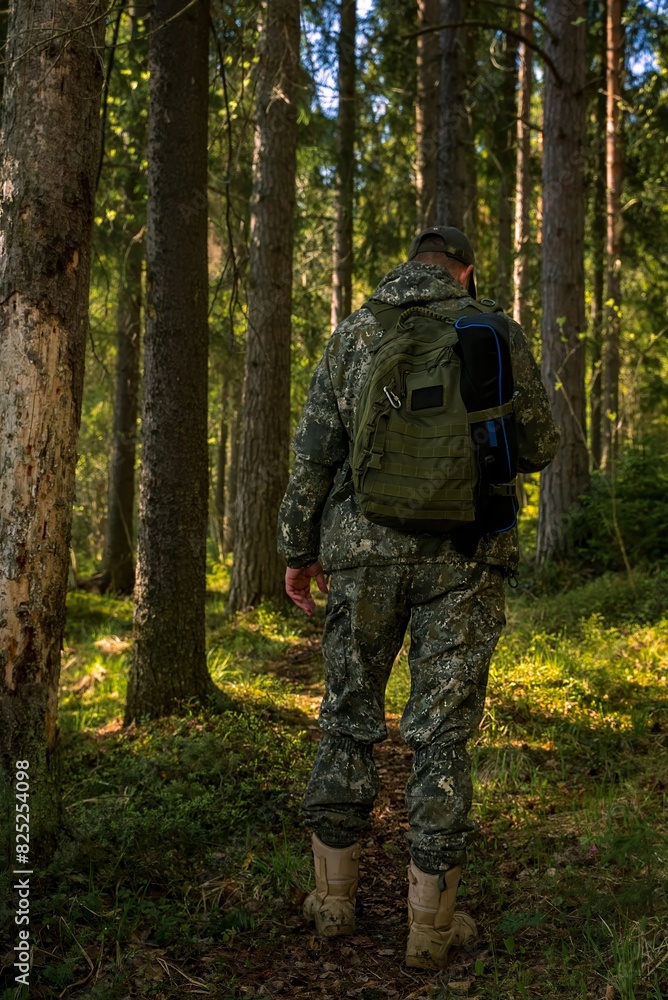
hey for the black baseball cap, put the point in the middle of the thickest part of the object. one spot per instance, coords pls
(455, 245)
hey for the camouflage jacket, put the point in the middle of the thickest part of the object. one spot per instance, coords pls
(321, 520)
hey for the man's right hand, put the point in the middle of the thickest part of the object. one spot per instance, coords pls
(298, 585)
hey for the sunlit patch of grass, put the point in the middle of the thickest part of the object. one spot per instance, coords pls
(570, 785)
(95, 660)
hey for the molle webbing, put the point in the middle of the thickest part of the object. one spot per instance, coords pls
(433, 418)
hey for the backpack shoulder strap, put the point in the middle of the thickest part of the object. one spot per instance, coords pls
(384, 313)
(388, 315)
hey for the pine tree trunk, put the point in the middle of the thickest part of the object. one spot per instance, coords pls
(506, 163)
(342, 276)
(563, 356)
(169, 662)
(614, 170)
(521, 310)
(221, 471)
(265, 429)
(4, 20)
(426, 111)
(598, 235)
(49, 148)
(118, 571)
(451, 180)
(229, 533)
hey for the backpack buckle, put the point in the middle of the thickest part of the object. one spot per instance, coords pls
(502, 489)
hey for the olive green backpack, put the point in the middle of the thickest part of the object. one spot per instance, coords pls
(427, 454)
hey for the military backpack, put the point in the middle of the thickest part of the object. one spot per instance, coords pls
(434, 446)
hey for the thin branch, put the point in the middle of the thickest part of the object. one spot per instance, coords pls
(493, 27)
(520, 10)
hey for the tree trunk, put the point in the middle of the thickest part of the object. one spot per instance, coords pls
(426, 111)
(49, 149)
(506, 161)
(614, 169)
(265, 425)
(169, 661)
(521, 311)
(4, 16)
(563, 357)
(229, 533)
(118, 571)
(452, 118)
(221, 471)
(342, 277)
(598, 234)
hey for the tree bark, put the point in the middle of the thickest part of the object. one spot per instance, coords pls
(221, 470)
(342, 276)
(426, 111)
(521, 310)
(563, 356)
(451, 181)
(118, 571)
(265, 428)
(614, 171)
(169, 661)
(4, 16)
(506, 163)
(598, 235)
(49, 147)
(232, 479)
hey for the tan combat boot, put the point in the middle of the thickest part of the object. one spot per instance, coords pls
(332, 902)
(433, 925)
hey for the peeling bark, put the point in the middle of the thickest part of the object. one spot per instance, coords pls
(49, 149)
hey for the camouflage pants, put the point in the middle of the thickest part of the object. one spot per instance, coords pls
(456, 615)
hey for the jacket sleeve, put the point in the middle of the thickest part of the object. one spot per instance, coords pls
(537, 433)
(321, 447)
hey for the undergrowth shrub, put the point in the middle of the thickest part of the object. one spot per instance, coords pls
(637, 500)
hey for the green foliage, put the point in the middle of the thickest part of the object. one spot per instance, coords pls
(628, 512)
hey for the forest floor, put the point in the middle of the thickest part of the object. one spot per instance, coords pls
(184, 863)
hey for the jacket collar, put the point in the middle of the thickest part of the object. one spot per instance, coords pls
(417, 282)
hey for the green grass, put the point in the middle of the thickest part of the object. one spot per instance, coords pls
(183, 850)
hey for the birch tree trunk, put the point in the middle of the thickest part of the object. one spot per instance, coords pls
(342, 275)
(265, 420)
(521, 311)
(614, 170)
(49, 149)
(426, 111)
(169, 657)
(563, 355)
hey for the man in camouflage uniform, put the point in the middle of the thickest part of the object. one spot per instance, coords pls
(381, 579)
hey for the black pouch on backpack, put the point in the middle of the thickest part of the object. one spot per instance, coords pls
(487, 388)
